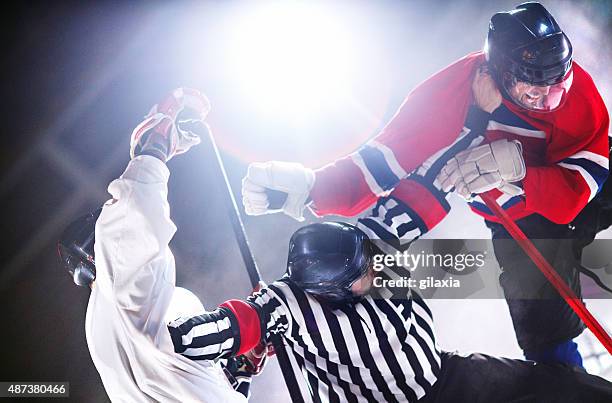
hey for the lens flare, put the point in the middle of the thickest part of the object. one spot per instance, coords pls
(291, 59)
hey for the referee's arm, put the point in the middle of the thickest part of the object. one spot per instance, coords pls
(230, 330)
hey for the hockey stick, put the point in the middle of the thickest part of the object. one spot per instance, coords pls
(549, 272)
(234, 214)
(245, 250)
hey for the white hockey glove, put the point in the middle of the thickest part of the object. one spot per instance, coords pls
(291, 178)
(163, 133)
(480, 169)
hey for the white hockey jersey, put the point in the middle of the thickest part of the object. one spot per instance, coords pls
(134, 296)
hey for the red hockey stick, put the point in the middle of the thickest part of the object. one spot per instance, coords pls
(568, 295)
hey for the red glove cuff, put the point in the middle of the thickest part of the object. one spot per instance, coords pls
(248, 323)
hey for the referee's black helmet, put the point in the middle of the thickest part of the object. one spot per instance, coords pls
(325, 259)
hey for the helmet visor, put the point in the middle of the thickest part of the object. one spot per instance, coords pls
(538, 98)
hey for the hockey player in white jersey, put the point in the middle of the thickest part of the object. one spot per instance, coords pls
(134, 293)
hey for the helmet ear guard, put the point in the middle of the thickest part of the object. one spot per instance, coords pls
(76, 249)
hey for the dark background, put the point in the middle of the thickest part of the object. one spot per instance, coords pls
(79, 76)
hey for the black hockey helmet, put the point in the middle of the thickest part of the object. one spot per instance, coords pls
(325, 259)
(76, 249)
(526, 46)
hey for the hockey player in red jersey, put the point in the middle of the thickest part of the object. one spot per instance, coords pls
(521, 121)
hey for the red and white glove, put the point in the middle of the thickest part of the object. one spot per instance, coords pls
(161, 134)
(480, 169)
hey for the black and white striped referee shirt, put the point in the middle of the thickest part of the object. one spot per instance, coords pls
(371, 350)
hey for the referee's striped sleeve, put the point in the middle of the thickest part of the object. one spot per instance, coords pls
(206, 337)
(274, 315)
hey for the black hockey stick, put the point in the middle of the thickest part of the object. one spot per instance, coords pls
(209, 144)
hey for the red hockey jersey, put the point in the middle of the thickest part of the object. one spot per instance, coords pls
(566, 152)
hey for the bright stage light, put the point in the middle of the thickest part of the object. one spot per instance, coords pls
(291, 59)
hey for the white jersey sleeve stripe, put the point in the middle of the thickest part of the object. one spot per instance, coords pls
(390, 159)
(600, 160)
(520, 131)
(590, 181)
(372, 184)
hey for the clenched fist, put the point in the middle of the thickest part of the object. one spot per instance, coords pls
(173, 126)
(288, 177)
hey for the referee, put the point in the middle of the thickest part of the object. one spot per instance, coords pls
(344, 344)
